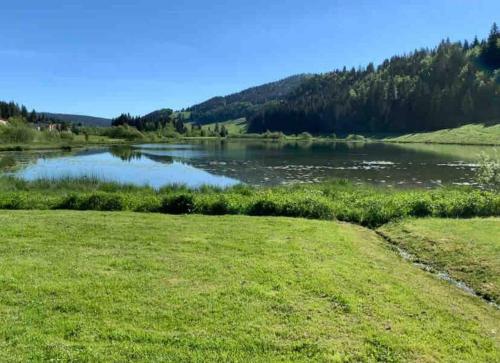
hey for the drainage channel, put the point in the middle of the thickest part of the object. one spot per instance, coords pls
(439, 274)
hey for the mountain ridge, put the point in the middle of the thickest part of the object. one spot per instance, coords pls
(85, 120)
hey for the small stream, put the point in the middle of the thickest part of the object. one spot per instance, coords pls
(439, 274)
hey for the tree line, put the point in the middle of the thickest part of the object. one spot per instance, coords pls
(165, 118)
(428, 89)
(11, 109)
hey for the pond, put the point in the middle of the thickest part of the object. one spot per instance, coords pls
(229, 162)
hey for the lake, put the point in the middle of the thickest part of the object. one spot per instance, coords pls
(229, 162)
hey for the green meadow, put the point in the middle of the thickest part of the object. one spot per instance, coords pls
(97, 286)
(468, 250)
(476, 134)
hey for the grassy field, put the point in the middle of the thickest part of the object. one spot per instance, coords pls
(95, 286)
(234, 127)
(468, 250)
(468, 134)
(76, 142)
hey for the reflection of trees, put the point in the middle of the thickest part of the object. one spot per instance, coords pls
(158, 158)
(464, 152)
(13, 161)
(7, 162)
(125, 153)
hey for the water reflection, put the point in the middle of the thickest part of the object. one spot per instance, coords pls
(125, 168)
(257, 162)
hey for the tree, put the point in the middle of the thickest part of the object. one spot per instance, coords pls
(490, 54)
(223, 131)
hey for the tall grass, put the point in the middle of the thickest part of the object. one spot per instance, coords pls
(364, 205)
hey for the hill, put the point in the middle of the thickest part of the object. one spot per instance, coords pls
(467, 134)
(79, 119)
(244, 103)
(429, 89)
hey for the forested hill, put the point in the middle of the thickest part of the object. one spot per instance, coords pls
(79, 119)
(244, 103)
(429, 89)
(12, 109)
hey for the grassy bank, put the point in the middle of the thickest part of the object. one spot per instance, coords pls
(77, 141)
(94, 286)
(468, 250)
(365, 205)
(467, 135)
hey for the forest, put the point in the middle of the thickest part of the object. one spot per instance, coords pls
(453, 84)
(429, 89)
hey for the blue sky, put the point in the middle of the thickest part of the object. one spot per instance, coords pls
(106, 57)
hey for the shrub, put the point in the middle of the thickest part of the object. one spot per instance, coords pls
(123, 132)
(13, 201)
(17, 133)
(419, 206)
(212, 204)
(488, 173)
(178, 204)
(305, 135)
(7, 162)
(265, 206)
(354, 137)
(314, 208)
(150, 204)
(71, 202)
(95, 201)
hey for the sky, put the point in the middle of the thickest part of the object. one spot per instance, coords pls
(103, 58)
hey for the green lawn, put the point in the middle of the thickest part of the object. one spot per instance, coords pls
(469, 250)
(468, 134)
(97, 286)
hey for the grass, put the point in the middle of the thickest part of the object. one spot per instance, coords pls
(364, 205)
(95, 286)
(76, 142)
(468, 250)
(468, 134)
(234, 127)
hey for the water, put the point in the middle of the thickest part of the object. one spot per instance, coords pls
(225, 163)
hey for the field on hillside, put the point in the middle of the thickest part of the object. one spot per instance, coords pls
(95, 286)
(468, 250)
(468, 134)
(234, 127)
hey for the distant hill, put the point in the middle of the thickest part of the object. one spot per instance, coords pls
(244, 103)
(452, 84)
(79, 119)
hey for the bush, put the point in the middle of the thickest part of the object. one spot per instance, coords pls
(17, 133)
(488, 173)
(305, 135)
(214, 204)
(123, 132)
(96, 201)
(313, 208)
(354, 137)
(178, 204)
(419, 206)
(265, 206)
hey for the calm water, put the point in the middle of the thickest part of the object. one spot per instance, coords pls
(255, 162)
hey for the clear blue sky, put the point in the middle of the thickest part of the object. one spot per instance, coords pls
(104, 57)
